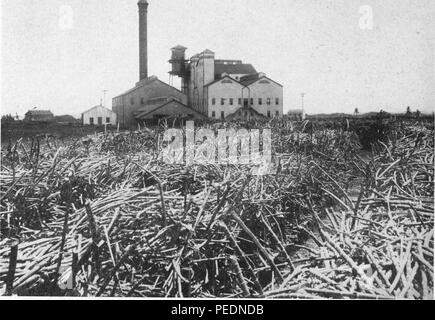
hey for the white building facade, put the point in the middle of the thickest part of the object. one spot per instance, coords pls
(220, 88)
(99, 116)
(227, 95)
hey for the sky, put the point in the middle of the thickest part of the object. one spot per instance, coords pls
(343, 54)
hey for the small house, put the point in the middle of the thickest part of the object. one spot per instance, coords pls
(39, 116)
(99, 116)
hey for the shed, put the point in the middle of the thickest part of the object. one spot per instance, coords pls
(39, 116)
(99, 115)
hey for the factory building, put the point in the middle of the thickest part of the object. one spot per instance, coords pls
(220, 88)
(131, 105)
(150, 98)
(217, 89)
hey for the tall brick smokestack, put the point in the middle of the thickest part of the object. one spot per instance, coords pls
(143, 39)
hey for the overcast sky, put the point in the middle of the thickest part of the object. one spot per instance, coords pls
(328, 49)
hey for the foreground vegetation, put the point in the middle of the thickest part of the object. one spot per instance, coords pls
(104, 216)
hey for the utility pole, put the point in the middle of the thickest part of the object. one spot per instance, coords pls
(302, 96)
(104, 95)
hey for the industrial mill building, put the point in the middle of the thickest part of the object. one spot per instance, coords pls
(211, 88)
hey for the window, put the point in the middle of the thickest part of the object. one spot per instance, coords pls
(268, 113)
(213, 114)
(108, 120)
(222, 114)
(142, 101)
(268, 101)
(276, 101)
(240, 101)
(213, 101)
(222, 101)
(91, 121)
(132, 101)
(231, 101)
(260, 101)
(277, 113)
(252, 101)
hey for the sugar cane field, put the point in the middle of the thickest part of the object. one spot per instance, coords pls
(339, 218)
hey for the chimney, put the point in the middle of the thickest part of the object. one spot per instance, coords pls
(143, 39)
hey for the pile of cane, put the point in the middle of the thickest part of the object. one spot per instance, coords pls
(93, 219)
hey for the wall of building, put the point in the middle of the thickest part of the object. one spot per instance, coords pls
(226, 89)
(202, 73)
(126, 104)
(264, 91)
(99, 112)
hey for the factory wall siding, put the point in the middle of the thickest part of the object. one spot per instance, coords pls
(264, 91)
(226, 91)
(202, 73)
(137, 98)
(234, 90)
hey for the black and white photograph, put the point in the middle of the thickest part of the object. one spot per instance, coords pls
(217, 150)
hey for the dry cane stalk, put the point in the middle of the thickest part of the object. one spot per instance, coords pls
(11, 271)
(239, 274)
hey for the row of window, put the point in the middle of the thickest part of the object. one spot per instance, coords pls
(231, 101)
(99, 119)
(269, 115)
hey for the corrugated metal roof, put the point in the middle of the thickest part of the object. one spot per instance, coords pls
(99, 106)
(249, 79)
(144, 83)
(157, 106)
(241, 68)
(252, 78)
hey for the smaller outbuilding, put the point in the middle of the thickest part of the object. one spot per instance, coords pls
(66, 119)
(99, 116)
(39, 116)
(296, 115)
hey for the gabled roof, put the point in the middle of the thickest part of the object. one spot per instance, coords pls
(250, 109)
(146, 82)
(252, 78)
(207, 51)
(220, 79)
(39, 112)
(171, 100)
(240, 68)
(99, 106)
(244, 81)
